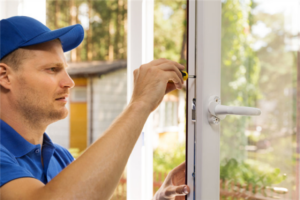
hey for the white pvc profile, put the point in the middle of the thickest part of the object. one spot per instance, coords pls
(190, 96)
(140, 51)
(31, 8)
(208, 72)
(207, 84)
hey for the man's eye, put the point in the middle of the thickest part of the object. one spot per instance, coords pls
(53, 69)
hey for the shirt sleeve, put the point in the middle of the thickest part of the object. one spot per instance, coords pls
(69, 155)
(10, 168)
(65, 154)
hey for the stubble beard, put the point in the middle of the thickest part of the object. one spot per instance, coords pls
(38, 111)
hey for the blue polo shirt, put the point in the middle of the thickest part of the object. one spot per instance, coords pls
(19, 158)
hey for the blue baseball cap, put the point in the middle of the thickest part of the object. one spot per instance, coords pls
(22, 31)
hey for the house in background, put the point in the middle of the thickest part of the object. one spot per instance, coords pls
(169, 121)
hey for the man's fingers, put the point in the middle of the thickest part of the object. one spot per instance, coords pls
(170, 87)
(159, 61)
(174, 77)
(177, 191)
(181, 67)
(164, 60)
(171, 67)
(183, 189)
(135, 75)
(166, 65)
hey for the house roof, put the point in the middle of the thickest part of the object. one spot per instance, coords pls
(95, 67)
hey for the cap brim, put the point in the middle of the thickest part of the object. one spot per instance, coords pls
(70, 37)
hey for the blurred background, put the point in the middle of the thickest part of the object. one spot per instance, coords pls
(260, 68)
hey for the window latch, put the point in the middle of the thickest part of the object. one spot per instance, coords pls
(217, 112)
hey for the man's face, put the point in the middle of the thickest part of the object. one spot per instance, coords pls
(41, 85)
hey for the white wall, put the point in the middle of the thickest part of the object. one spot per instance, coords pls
(32, 8)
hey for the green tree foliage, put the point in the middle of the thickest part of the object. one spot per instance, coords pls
(278, 83)
(104, 23)
(251, 172)
(248, 171)
(240, 71)
(109, 33)
(170, 30)
(165, 161)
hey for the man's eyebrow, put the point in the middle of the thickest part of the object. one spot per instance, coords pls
(56, 65)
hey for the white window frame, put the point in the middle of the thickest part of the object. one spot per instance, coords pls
(204, 61)
(31, 8)
(140, 51)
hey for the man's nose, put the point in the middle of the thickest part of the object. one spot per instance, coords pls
(67, 81)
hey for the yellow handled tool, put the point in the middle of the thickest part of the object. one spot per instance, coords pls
(185, 76)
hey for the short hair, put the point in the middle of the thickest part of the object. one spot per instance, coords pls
(15, 58)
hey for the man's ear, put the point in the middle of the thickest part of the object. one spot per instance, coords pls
(5, 81)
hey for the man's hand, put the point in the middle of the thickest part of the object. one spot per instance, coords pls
(151, 81)
(173, 187)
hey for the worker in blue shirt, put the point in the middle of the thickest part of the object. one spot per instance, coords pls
(34, 91)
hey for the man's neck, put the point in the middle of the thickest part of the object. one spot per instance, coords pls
(32, 132)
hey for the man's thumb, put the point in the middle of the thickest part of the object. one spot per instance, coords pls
(182, 189)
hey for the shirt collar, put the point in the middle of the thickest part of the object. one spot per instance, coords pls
(47, 141)
(15, 143)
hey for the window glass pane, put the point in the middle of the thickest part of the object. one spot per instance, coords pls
(260, 62)
(169, 117)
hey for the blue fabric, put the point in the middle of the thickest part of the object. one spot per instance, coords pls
(21, 31)
(19, 158)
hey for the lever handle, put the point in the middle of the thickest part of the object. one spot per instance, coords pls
(234, 110)
(218, 112)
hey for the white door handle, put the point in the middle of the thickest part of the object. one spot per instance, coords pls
(234, 110)
(218, 112)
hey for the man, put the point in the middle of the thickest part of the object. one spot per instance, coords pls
(34, 90)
